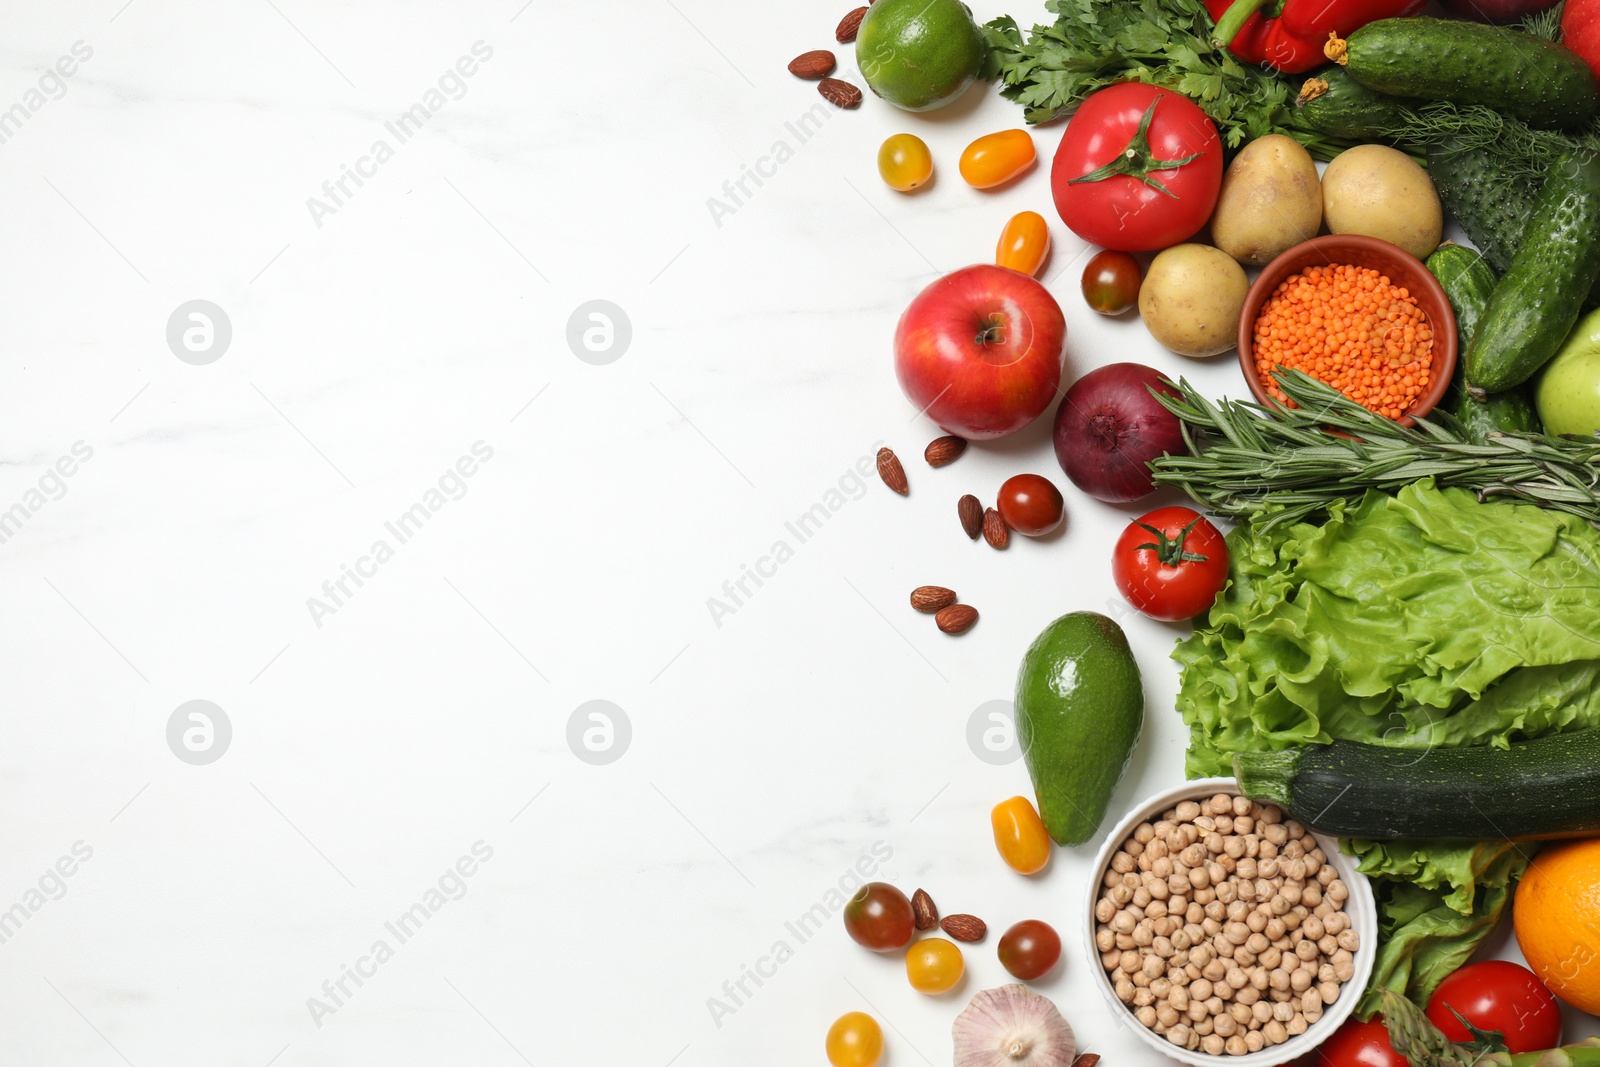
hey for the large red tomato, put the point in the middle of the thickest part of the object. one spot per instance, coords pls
(1139, 168)
(1498, 995)
(1359, 1044)
(979, 350)
(1170, 564)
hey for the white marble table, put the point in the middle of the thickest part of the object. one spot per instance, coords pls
(373, 507)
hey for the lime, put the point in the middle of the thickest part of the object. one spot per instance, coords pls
(919, 54)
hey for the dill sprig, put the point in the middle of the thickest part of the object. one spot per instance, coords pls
(1247, 459)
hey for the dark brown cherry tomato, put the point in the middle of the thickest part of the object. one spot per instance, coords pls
(1030, 949)
(879, 917)
(1030, 504)
(1111, 282)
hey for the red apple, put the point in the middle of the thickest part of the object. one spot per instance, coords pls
(979, 351)
(1580, 30)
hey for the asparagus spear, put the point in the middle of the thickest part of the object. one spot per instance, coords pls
(1424, 1045)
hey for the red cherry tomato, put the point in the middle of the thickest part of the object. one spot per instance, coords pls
(1030, 504)
(1359, 1044)
(879, 917)
(1157, 196)
(1170, 564)
(1111, 282)
(1030, 949)
(1498, 995)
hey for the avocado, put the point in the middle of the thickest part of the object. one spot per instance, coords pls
(1080, 708)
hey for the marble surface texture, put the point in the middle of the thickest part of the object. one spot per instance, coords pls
(299, 422)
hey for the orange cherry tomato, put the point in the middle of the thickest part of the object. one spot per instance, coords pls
(934, 965)
(1024, 243)
(904, 162)
(1020, 835)
(855, 1040)
(996, 158)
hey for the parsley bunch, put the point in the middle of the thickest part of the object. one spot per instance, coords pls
(1096, 43)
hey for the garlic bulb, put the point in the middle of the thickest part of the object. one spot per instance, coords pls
(1012, 1027)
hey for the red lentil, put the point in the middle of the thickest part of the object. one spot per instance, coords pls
(1352, 328)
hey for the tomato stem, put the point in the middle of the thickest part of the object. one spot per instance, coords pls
(1170, 550)
(1137, 160)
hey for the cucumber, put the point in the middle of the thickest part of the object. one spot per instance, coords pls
(1336, 104)
(1468, 282)
(1539, 298)
(1548, 787)
(1492, 209)
(1514, 72)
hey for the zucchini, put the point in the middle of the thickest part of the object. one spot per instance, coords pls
(1514, 72)
(1336, 104)
(1549, 787)
(1541, 295)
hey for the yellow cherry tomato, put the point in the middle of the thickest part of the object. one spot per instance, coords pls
(934, 965)
(1024, 243)
(855, 1040)
(905, 162)
(996, 158)
(1020, 835)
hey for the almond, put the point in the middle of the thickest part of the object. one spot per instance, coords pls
(818, 63)
(995, 530)
(838, 93)
(849, 26)
(944, 450)
(931, 598)
(964, 927)
(971, 512)
(889, 469)
(957, 618)
(1088, 1059)
(923, 911)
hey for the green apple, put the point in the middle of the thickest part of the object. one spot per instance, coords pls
(1568, 390)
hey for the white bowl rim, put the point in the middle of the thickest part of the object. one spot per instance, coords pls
(1361, 906)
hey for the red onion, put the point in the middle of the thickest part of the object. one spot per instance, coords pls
(1109, 427)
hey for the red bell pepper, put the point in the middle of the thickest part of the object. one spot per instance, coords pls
(1289, 34)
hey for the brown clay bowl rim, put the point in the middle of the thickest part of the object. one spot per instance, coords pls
(1359, 251)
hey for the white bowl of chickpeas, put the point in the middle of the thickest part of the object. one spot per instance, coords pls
(1220, 930)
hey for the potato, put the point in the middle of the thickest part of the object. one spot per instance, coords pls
(1191, 299)
(1270, 201)
(1380, 192)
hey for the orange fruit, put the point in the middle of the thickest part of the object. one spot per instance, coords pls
(1557, 918)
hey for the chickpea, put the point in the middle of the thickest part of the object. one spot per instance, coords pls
(1202, 955)
(1156, 850)
(1193, 913)
(1268, 851)
(1110, 960)
(1211, 927)
(1252, 992)
(1236, 933)
(1120, 894)
(1337, 922)
(1344, 971)
(1214, 971)
(1277, 834)
(1300, 980)
(1204, 1026)
(1225, 1025)
(1227, 890)
(1179, 1035)
(1197, 1010)
(1326, 973)
(1306, 950)
(1167, 1016)
(1162, 947)
(1158, 888)
(1124, 942)
(1243, 824)
(1189, 832)
(1161, 867)
(1244, 957)
(1124, 990)
(1257, 922)
(1123, 923)
(1242, 806)
(1327, 944)
(1260, 1012)
(1212, 1045)
(1178, 1000)
(1225, 948)
(1329, 992)
(1205, 896)
(1142, 998)
(1104, 939)
(1271, 957)
(1140, 979)
(1192, 971)
(1214, 1005)
(1154, 968)
(1257, 942)
(1297, 1025)
(1187, 810)
(1349, 940)
(1199, 878)
(1291, 893)
(1128, 962)
(1267, 869)
(1122, 863)
(1206, 823)
(1166, 926)
(1217, 875)
(1146, 1016)
(1283, 1012)
(1311, 894)
(1201, 989)
(1325, 875)
(1274, 1032)
(1141, 895)
(1239, 1012)
(1246, 890)
(1254, 1042)
(1236, 1046)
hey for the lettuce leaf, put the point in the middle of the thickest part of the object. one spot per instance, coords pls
(1422, 619)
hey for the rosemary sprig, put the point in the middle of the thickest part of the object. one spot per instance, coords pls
(1247, 459)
